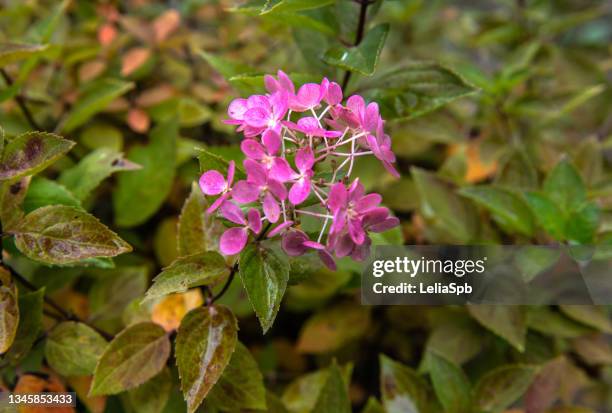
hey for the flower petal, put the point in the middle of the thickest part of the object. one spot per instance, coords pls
(285, 81)
(254, 219)
(334, 94)
(233, 213)
(304, 159)
(252, 149)
(327, 259)
(356, 231)
(309, 95)
(271, 208)
(281, 171)
(256, 173)
(233, 240)
(271, 141)
(277, 189)
(338, 197)
(245, 192)
(231, 170)
(257, 117)
(293, 243)
(385, 225)
(237, 108)
(279, 228)
(299, 191)
(212, 182)
(368, 202)
(218, 203)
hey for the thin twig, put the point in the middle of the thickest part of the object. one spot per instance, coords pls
(21, 103)
(358, 37)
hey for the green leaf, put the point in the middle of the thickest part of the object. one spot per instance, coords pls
(415, 89)
(63, 235)
(227, 68)
(93, 169)
(30, 153)
(271, 6)
(457, 341)
(548, 214)
(205, 342)
(114, 289)
(403, 391)
(333, 397)
(73, 349)
(450, 384)
(564, 187)
(301, 395)
(43, 192)
(363, 58)
(14, 52)
(9, 311)
(443, 208)
(209, 160)
(501, 387)
(12, 195)
(552, 323)
(188, 272)
(147, 187)
(533, 260)
(93, 99)
(509, 210)
(589, 315)
(581, 225)
(508, 322)
(373, 406)
(241, 385)
(197, 231)
(134, 356)
(333, 327)
(153, 395)
(264, 273)
(30, 324)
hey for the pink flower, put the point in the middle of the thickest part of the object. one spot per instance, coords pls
(310, 126)
(282, 84)
(296, 243)
(309, 96)
(213, 183)
(233, 240)
(304, 161)
(258, 113)
(260, 184)
(381, 148)
(349, 207)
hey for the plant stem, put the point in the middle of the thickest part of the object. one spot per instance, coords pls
(67, 316)
(234, 270)
(359, 36)
(21, 103)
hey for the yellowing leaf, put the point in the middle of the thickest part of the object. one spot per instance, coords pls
(169, 312)
(133, 59)
(165, 24)
(9, 310)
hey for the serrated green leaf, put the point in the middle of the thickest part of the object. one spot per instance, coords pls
(135, 355)
(30, 153)
(205, 342)
(9, 310)
(197, 231)
(508, 209)
(501, 387)
(149, 186)
(264, 273)
(260, 7)
(403, 391)
(73, 349)
(415, 89)
(241, 385)
(508, 322)
(450, 384)
(92, 100)
(209, 161)
(43, 192)
(205, 268)
(443, 208)
(92, 170)
(227, 68)
(30, 324)
(153, 395)
(14, 52)
(333, 397)
(63, 235)
(363, 58)
(12, 195)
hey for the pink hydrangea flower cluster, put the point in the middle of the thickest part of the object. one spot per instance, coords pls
(300, 148)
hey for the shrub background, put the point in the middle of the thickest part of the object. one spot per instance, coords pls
(500, 116)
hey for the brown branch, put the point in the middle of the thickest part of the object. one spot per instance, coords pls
(21, 103)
